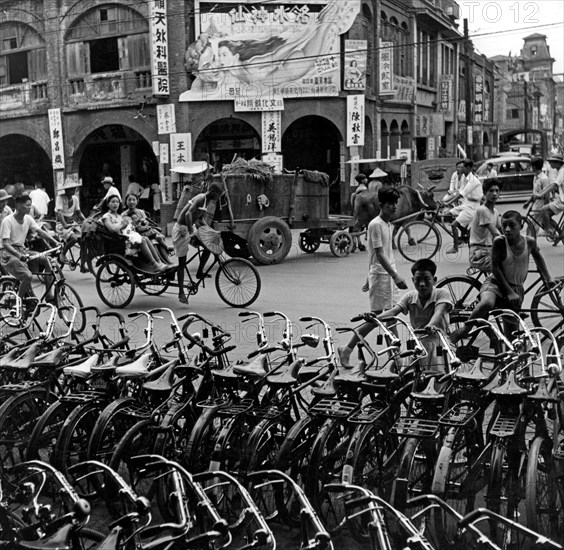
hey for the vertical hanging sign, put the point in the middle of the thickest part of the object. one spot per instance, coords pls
(56, 131)
(479, 98)
(271, 131)
(166, 119)
(386, 69)
(355, 120)
(180, 149)
(159, 48)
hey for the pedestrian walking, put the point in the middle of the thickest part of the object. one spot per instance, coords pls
(40, 200)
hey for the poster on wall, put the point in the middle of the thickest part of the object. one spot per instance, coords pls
(355, 65)
(166, 119)
(180, 149)
(479, 99)
(355, 120)
(446, 96)
(267, 50)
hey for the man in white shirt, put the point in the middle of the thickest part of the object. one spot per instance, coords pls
(40, 200)
(557, 204)
(491, 172)
(470, 196)
(15, 257)
(134, 188)
(5, 210)
(110, 189)
(456, 181)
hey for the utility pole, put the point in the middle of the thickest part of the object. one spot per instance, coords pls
(468, 90)
(526, 107)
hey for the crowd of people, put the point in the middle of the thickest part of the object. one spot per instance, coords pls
(496, 246)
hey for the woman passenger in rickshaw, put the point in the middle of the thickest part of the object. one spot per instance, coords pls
(142, 224)
(116, 223)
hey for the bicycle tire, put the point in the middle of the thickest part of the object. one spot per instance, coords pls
(463, 291)
(237, 282)
(261, 453)
(137, 440)
(414, 474)
(18, 415)
(109, 429)
(86, 539)
(530, 228)
(546, 312)
(44, 435)
(543, 499)
(200, 443)
(115, 284)
(293, 459)
(72, 443)
(418, 239)
(66, 295)
(170, 442)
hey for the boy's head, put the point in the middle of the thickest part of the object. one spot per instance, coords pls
(468, 166)
(388, 198)
(537, 164)
(492, 188)
(511, 224)
(361, 179)
(423, 273)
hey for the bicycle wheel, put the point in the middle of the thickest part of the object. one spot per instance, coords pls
(548, 310)
(530, 228)
(67, 296)
(18, 415)
(418, 239)
(155, 285)
(263, 447)
(201, 442)
(414, 473)
(46, 431)
(542, 496)
(115, 284)
(137, 440)
(326, 465)
(293, 459)
(237, 282)
(505, 496)
(72, 443)
(110, 427)
(464, 291)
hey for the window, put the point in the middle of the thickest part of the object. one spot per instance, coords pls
(533, 50)
(22, 55)
(447, 59)
(104, 55)
(512, 114)
(427, 59)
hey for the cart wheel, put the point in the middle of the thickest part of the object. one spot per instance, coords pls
(340, 243)
(269, 240)
(155, 285)
(308, 242)
(115, 284)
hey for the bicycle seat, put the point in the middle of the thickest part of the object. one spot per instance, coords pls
(430, 392)
(510, 387)
(254, 369)
(51, 359)
(108, 367)
(351, 376)
(60, 540)
(383, 374)
(287, 376)
(137, 369)
(82, 370)
(225, 373)
(545, 391)
(164, 381)
(327, 389)
(24, 361)
(474, 374)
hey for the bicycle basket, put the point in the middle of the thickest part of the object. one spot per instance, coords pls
(210, 239)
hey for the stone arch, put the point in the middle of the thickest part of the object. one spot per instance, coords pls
(368, 137)
(11, 15)
(79, 8)
(405, 139)
(384, 139)
(27, 128)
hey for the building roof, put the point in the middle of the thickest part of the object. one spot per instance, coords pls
(534, 36)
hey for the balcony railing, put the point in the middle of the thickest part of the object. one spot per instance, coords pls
(26, 94)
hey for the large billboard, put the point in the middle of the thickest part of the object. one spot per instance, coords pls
(268, 50)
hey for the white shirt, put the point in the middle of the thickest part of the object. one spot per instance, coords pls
(15, 233)
(134, 188)
(472, 192)
(380, 236)
(559, 181)
(6, 211)
(40, 199)
(65, 207)
(455, 183)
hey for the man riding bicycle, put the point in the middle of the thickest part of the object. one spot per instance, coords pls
(69, 216)
(14, 256)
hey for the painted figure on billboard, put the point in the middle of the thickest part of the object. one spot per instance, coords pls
(293, 53)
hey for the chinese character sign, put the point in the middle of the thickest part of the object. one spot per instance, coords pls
(355, 120)
(163, 153)
(264, 103)
(56, 131)
(446, 99)
(250, 50)
(166, 119)
(271, 132)
(479, 99)
(355, 65)
(386, 69)
(429, 125)
(275, 160)
(159, 48)
(180, 149)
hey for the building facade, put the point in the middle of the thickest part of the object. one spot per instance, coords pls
(90, 88)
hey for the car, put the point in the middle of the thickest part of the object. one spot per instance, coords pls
(516, 174)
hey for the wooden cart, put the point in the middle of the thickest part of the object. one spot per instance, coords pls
(260, 217)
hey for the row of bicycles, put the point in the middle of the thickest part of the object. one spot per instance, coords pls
(212, 452)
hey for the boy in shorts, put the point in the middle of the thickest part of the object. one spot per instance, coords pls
(428, 308)
(510, 264)
(383, 279)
